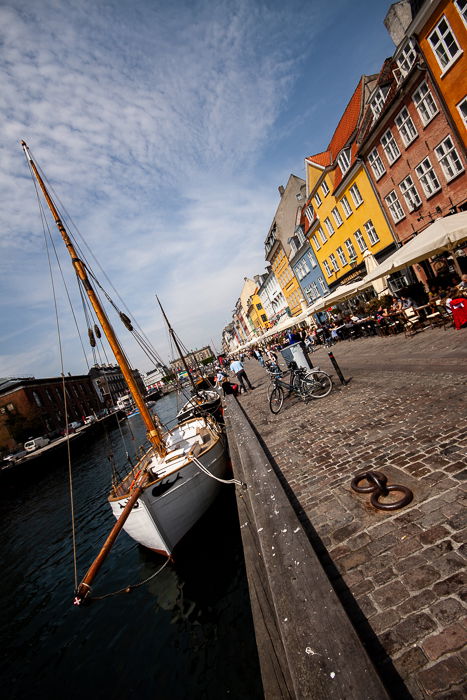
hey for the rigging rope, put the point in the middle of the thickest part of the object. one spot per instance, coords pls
(129, 588)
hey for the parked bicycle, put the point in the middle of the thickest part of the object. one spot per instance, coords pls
(306, 384)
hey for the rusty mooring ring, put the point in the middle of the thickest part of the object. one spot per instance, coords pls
(372, 487)
(405, 500)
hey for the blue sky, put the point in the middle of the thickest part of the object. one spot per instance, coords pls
(165, 129)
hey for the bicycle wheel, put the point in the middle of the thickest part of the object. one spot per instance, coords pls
(276, 399)
(317, 385)
(270, 389)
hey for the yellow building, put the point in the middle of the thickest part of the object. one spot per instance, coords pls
(257, 314)
(347, 222)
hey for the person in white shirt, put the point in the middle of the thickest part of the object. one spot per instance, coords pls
(237, 367)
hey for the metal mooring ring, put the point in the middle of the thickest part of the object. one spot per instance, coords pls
(396, 504)
(372, 487)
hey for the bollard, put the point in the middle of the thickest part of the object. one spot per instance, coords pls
(338, 369)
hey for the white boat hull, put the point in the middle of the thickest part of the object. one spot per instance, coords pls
(167, 509)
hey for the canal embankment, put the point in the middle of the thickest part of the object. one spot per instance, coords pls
(399, 575)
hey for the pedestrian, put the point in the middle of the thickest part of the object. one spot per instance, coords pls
(237, 368)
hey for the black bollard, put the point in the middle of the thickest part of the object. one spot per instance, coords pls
(338, 369)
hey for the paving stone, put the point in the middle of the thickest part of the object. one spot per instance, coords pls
(448, 610)
(438, 532)
(421, 577)
(416, 602)
(450, 639)
(442, 675)
(414, 627)
(451, 584)
(410, 661)
(390, 595)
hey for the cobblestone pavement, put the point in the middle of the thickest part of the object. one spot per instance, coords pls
(401, 575)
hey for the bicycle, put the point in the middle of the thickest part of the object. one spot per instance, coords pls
(306, 384)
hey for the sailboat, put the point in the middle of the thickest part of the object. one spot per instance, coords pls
(160, 499)
(203, 400)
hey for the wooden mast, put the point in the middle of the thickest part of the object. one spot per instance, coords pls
(180, 352)
(154, 435)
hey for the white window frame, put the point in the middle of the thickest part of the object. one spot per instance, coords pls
(350, 249)
(371, 232)
(341, 256)
(348, 211)
(325, 188)
(377, 102)
(327, 267)
(390, 147)
(323, 285)
(406, 127)
(312, 260)
(314, 238)
(318, 199)
(462, 12)
(376, 163)
(440, 45)
(322, 235)
(344, 160)
(337, 216)
(410, 193)
(462, 109)
(329, 226)
(360, 239)
(334, 263)
(447, 157)
(356, 196)
(407, 57)
(309, 213)
(425, 103)
(427, 177)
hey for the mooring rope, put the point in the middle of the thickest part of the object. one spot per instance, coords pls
(129, 588)
(202, 468)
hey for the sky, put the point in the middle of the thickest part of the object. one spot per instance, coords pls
(165, 130)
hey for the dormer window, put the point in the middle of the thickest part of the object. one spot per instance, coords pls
(344, 160)
(377, 103)
(310, 214)
(300, 235)
(293, 245)
(407, 57)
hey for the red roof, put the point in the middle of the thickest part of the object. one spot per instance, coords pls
(323, 158)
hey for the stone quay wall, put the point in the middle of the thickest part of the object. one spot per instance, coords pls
(401, 575)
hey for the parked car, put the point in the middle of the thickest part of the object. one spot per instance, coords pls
(35, 443)
(88, 420)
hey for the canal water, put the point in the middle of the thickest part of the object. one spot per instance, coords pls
(187, 633)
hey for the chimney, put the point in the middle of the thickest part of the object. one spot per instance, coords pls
(397, 19)
(281, 190)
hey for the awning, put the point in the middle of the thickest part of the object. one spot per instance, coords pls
(444, 235)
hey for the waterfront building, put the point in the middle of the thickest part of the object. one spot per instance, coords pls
(305, 266)
(277, 247)
(274, 302)
(109, 383)
(31, 407)
(437, 29)
(194, 359)
(347, 219)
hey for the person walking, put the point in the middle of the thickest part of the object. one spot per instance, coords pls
(237, 367)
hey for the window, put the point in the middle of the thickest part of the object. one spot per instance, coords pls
(462, 8)
(329, 226)
(394, 206)
(410, 193)
(427, 177)
(317, 200)
(344, 160)
(341, 256)
(264, 318)
(337, 217)
(444, 44)
(356, 196)
(390, 147)
(312, 260)
(406, 126)
(407, 57)
(259, 306)
(425, 103)
(312, 291)
(350, 249)
(449, 158)
(371, 232)
(322, 284)
(462, 107)
(327, 268)
(314, 238)
(300, 235)
(333, 261)
(325, 188)
(10, 407)
(360, 240)
(37, 398)
(376, 163)
(346, 206)
(378, 101)
(310, 214)
(322, 235)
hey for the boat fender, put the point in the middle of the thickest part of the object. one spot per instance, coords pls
(92, 340)
(126, 321)
(97, 331)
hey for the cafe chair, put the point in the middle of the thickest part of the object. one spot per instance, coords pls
(412, 322)
(440, 316)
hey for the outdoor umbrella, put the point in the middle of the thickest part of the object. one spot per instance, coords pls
(443, 235)
(380, 285)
